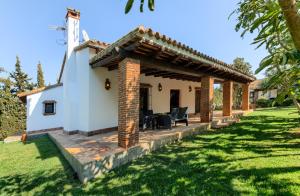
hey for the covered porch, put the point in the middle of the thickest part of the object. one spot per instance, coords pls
(142, 54)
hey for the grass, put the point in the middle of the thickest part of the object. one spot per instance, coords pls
(258, 156)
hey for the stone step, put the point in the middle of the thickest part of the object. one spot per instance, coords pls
(230, 122)
(216, 122)
(12, 139)
(220, 125)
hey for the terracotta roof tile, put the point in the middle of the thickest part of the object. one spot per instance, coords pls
(34, 91)
(141, 30)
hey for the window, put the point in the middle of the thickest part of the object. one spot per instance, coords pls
(49, 107)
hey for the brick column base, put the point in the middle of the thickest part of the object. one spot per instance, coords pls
(129, 98)
(245, 97)
(206, 101)
(227, 98)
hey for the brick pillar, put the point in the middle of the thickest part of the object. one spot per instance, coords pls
(245, 97)
(129, 98)
(227, 98)
(207, 94)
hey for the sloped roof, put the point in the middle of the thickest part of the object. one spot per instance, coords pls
(92, 44)
(34, 91)
(142, 35)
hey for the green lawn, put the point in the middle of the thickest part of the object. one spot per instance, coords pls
(258, 156)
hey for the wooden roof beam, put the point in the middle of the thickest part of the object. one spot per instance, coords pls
(188, 64)
(174, 60)
(167, 75)
(157, 72)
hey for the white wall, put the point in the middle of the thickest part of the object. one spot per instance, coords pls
(36, 120)
(83, 89)
(71, 78)
(161, 100)
(89, 106)
(104, 103)
(70, 94)
(269, 94)
(76, 79)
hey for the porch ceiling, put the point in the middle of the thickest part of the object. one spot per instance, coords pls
(161, 56)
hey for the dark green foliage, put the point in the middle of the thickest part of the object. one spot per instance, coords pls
(218, 98)
(267, 20)
(151, 5)
(12, 115)
(287, 102)
(263, 103)
(258, 156)
(12, 111)
(245, 67)
(40, 76)
(20, 79)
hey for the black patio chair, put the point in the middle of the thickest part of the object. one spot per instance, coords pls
(146, 119)
(179, 115)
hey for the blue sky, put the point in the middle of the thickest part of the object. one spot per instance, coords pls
(203, 25)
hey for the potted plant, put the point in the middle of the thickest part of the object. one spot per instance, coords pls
(24, 136)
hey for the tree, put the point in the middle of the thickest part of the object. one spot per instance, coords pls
(20, 79)
(287, 9)
(12, 111)
(277, 23)
(40, 76)
(130, 3)
(277, 26)
(245, 67)
(218, 98)
(292, 17)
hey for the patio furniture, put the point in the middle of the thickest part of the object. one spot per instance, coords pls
(179, 115)
(163, 121)
(146, 120)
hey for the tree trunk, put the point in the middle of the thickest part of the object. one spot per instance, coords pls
(290, 11)
(295, 102)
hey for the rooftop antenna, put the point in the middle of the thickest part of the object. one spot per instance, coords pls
(85, 36)
(61, 28)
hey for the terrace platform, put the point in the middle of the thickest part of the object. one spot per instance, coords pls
(94, 155)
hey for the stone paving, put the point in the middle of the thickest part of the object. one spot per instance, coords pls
(94, 155)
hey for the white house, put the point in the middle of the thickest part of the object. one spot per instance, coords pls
(257, 91)
(103, 87)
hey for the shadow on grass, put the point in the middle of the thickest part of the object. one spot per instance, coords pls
(215, 162)
(256, 156)
(44, 172)
(36, 183)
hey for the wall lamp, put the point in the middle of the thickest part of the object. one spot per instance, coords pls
(107, 84)
(159, 87)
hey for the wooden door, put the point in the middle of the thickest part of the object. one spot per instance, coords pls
(144, 99)
(197, 100)
(174, 99)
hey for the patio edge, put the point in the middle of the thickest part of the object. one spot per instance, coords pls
(93, 169)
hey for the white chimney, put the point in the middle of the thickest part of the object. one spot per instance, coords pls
(72, 18)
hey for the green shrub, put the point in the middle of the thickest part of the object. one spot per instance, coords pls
(263, 103)
(287, 102)
(12, 115)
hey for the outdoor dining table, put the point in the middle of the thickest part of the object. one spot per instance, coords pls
(161, 120)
